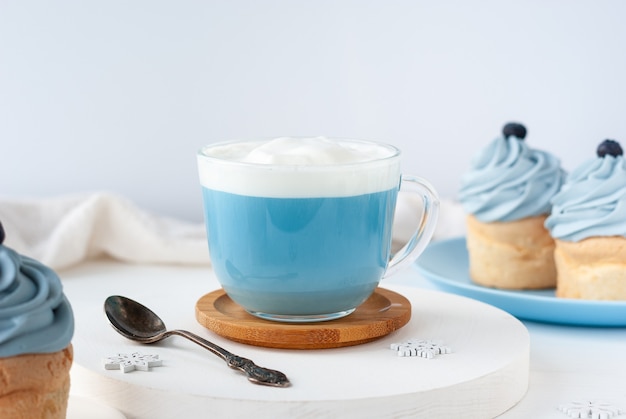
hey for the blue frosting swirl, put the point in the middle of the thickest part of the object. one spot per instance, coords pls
(592, 202)
(509, 181)
(35, 315)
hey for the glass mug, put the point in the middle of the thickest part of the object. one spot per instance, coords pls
(300, 229)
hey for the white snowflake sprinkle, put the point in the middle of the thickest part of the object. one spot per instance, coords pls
(135, 361)
(421, 348)
(590, 410)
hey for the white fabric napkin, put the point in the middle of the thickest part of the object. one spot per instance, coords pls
(66, 230)
(63, 231)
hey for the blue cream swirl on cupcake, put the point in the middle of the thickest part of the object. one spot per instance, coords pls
(35, 315)
(506, 195)
(588, 223)
(593, 201)
(508, 180)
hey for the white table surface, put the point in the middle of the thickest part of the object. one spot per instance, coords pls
(567, 364)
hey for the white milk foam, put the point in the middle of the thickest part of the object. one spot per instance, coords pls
(299, 167)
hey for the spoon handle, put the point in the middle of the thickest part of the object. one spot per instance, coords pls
(256, 374)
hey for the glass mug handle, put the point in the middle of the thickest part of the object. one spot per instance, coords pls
(426, 227)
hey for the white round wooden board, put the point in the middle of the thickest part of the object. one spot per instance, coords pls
(485, 375)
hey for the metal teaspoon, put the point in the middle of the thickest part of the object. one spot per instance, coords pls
(137, 322)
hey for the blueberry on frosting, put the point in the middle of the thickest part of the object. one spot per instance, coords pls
(611, 147)
(515, 129)
(1, 233)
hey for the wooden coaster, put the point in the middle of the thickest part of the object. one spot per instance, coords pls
(382, 313)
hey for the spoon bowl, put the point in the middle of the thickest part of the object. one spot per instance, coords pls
(137, 322)
(133, 320)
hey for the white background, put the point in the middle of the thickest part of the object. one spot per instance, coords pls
(118, 95)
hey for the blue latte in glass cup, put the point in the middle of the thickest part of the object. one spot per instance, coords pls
(299, 229)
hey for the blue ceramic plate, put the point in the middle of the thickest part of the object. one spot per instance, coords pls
(445, 263)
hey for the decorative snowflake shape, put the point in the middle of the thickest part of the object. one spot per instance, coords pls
(422, 348)
(135, 361)
(590, 410)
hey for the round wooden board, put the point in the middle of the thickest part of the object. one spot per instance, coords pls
(485, 375)
(382, 313)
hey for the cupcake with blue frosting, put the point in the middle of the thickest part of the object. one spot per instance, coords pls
(588, 223)
(36, 328)
(506, 195)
